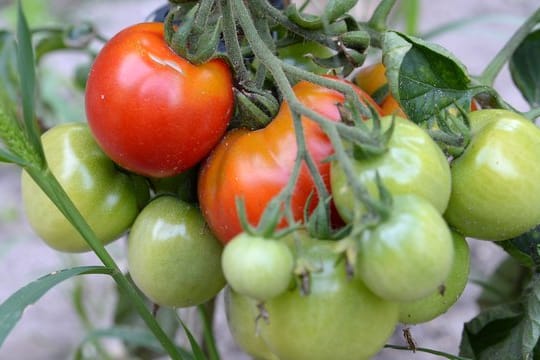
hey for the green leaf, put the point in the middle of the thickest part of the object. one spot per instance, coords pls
(505, 332)
(8, 64)
(195, 348)
(27, 75)
(7, 157)
(525, 247)
(52, 42)
(133, 336)
(12, 309)
(525, 68)
(425, 78)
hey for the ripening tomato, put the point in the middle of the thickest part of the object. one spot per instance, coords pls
(372, 79)
(256, 165)
(105, 197)
(495, 188)
(151, 111)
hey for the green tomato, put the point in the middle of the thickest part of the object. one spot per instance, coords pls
(340, 318)
(173, 257)
(242, 319)
(257, 267)
(105, 197)
(495, 187)
(408, 255)
(439, 301)
(413, 164)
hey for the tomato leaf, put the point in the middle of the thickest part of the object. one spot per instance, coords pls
(27, 77)
(505, 332)
(12, 309)
(132, 336)
(525, 69)
(425, 78)
(524, 248)
(196, 349)
(8, 61)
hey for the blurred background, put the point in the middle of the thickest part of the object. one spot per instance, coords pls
(55, 327)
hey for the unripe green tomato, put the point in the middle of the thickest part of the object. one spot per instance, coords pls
(242, 319)
(413, 164)
(173, 257)
(257, 267)
(105, 197)
(340, 318)
(495, 187)
(438, 302)
(408, 255)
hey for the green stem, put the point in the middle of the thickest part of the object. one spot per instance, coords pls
(533, 114)
(275, 67)
(493, 69)
(206, 312)
(267, 58)
(48, 183)
(380, 15)
(232, 44)
(430, 351)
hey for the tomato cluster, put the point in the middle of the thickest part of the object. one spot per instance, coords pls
(158, 158)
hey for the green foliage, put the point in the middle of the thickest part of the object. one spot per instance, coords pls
(525, 69)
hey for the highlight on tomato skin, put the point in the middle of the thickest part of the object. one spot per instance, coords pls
(152, 111)
(256, 165)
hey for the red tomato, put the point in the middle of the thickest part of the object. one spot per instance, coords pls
(256, 165)
(151, 111)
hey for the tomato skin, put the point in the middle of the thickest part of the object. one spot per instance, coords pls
(413, 164)
(241, 312)
(152, 111)
(173, 257)
(438, 302)
(334, 321)
(372, 79)
(105, 197)
(408, 255)
(495, 188)
(256, 165)
(257, 267)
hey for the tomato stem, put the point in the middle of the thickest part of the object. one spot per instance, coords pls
(493, 69)
(380, 15)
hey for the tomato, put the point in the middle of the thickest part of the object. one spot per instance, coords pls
(413, 164)
(256, 165)
(390, 106)
(372, 79)
(242, 319)
(439, 301)
(409, 255)
(173, 257)
(339, 318)
(151, 111)
(105, 197)
(495, 188)
(257, 267)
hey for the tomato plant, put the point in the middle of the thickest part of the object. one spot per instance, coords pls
(151, 111)
(256, 165)
(160, 98)
(257, 267)
(172, 256)
(107, 198)
(494, 192)
(410, 254)
(412, 164)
